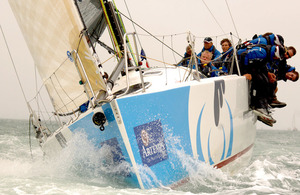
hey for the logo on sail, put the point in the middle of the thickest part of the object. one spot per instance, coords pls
(151, 143)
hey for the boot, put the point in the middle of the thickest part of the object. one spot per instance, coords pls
(277, 104)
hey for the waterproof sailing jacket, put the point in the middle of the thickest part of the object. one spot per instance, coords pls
(266, 40)
(256, 54)
(256, 58)
(213, 50)
(270, 40)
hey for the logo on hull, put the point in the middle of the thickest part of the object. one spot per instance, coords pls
(151, 143)
(218, 105)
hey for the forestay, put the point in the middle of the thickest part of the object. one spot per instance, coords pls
(57, 30)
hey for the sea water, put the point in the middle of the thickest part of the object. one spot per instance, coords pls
(274, 168)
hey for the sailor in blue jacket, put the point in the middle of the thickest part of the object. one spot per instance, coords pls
(268, 39)
(208, 45)
(256, 54)
(253, 62)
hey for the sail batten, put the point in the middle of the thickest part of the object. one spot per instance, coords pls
(52, 29)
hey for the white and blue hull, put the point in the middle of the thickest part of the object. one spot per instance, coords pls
(209, 119)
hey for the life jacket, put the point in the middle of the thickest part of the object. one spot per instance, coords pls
(270, 40)
(243, 45)
(267, 48)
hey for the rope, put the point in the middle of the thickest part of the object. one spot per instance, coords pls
(124, 30)
(163, 62)
(132, 22)
(63, 90)
(110, 58)
(176, 34)
(232, 20)
(150, 34)
(29, 134)
(46, 111)
(213, 16)
(172, 48)
(65, 106)
(13, 63)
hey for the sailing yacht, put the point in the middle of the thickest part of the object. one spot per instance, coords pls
(137, 111)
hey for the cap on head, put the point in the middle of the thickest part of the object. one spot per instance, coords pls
(208, 40)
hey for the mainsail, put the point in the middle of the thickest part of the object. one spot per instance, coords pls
(52, 30)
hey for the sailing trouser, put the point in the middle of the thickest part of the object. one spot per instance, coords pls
(260, 90)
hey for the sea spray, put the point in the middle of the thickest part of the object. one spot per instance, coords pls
(274, 168)
(200, 176)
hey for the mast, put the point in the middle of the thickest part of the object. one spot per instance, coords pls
(114, 26)
(117, 32)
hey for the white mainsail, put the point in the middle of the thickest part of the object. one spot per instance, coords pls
(51, 30)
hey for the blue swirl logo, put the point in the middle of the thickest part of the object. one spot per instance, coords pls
(218, 104)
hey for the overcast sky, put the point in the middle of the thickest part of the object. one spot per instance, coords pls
(168, 17)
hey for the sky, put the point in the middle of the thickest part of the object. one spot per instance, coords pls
(168, 17)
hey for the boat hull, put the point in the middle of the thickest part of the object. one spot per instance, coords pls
(155, 132)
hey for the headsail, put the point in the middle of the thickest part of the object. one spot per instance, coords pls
(51, 30)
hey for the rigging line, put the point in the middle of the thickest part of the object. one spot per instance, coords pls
(150, 34)
(63, 89)
(132, 22)
(29, 135)
(176, 34)
(57, 93)
(162, 51)
(235, 36)
(75, 98)
(50, 77)
(214, 35)
(164, 60)
(213, 16)
(128, 43)
(36, 89)
(172, 48)
(13, 63)
(46, 110)
(232, 19)
(46, 80)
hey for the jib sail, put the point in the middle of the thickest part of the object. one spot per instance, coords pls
(53, 30)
